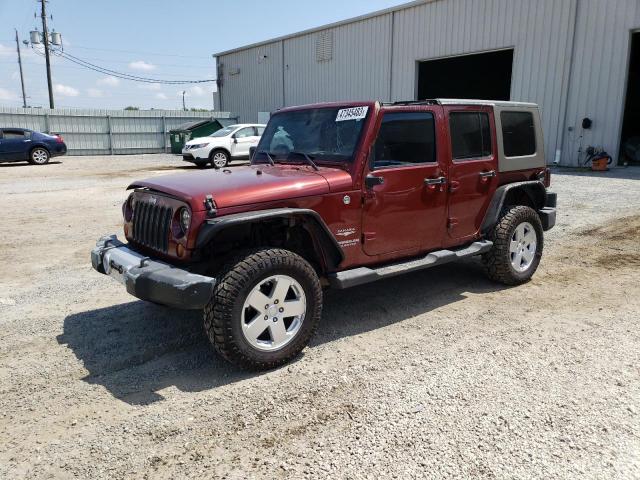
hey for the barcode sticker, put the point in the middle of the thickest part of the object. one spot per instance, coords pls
(354, 113)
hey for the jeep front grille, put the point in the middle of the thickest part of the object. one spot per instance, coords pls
(151, 225)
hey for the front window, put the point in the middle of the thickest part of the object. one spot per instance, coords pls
(405, 138)
(245, 132)
(224, 132)
(321, 134)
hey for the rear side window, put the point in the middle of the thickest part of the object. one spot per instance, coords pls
(405, 138)
(518, 133)
(260, 131)
(19, 134)
(470, 135)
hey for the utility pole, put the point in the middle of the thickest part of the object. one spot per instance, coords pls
(45, 36)
(184, 106)
(24, 96)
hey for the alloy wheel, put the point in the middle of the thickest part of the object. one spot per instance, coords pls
(522, 247)
(219, 160)
(273, 312)
(39, 156)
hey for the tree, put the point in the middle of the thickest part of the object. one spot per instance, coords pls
(131, 108)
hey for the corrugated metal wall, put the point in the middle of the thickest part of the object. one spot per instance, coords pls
(100, 132)
(570, 57)
(358, 50)
(539, 31)
(599, 72)
(252, 81)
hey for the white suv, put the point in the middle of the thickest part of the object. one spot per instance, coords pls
(219, 148)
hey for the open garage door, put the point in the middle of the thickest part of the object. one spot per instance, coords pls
(484, 76)
(630, 141)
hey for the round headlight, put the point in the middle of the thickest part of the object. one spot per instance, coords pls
(185, 219)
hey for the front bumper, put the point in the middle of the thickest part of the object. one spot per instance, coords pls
(149, 279)
(196, 155)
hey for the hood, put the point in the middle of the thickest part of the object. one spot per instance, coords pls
(247, 184)
(195, 141)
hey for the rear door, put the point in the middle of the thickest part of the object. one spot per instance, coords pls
(405, 200)
(14, 144)
(472, 171)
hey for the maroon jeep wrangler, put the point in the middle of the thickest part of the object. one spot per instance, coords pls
(337, 195)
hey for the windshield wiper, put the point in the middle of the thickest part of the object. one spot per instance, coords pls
(307, 158)
(269, 157)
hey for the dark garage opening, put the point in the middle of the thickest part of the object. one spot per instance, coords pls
(485, 76)
(630, 144)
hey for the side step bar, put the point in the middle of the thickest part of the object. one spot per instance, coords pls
(362, 275)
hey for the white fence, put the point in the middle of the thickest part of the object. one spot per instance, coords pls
(103, 132)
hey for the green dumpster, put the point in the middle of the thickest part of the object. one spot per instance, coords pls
(185, 132)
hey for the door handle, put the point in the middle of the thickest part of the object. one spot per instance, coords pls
(435, 181)
(489, 174)
(371, 181)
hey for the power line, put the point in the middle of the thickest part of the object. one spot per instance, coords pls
(65, 66)
(144, 53)
(209, 67)
(122, 75)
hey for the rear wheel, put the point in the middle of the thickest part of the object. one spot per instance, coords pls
(517, 246)
(39, 156)
(219, 158)
(265, 308)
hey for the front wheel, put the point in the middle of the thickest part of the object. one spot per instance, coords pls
(39, 156)
(265, 307)
(219, 158)
(517, 246)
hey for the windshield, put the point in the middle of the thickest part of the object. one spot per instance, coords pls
(224, 132)
(319, 134)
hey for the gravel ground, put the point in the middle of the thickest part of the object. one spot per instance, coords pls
(436, 374)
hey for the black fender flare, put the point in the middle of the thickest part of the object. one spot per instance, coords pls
(534, 189)
(329, 249)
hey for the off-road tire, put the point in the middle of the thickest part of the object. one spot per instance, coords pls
(39, 156)
(497, 262)
(222, 315)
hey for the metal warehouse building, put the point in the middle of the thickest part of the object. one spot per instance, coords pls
(576, 58)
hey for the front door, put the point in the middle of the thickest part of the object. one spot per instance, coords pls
(473, 170)
(405, 200)
(243, 140)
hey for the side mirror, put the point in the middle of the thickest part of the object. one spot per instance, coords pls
(235, 139)
(252, 152)
(371, 181)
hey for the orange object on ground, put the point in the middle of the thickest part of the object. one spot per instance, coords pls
(600, 164)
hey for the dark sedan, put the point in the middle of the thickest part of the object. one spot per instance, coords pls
(20, 144)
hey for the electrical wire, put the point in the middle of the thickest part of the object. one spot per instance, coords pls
(126, 76)
(114, 73)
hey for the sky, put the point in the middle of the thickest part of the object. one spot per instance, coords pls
(170, 40)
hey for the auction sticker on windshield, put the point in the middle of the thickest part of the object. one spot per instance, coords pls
(354, 113)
